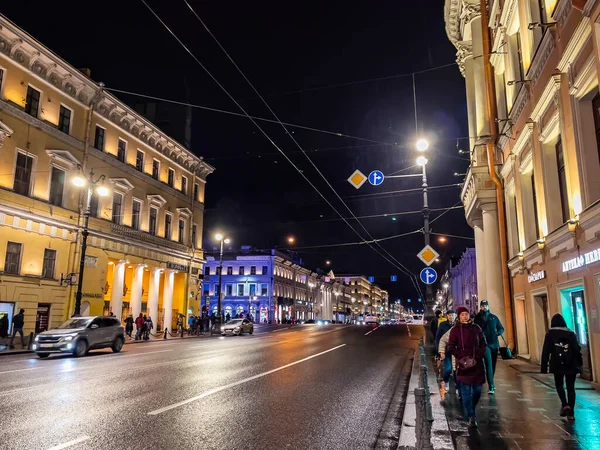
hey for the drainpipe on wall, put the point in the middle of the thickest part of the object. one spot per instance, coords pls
(86, 150)
(492, 114)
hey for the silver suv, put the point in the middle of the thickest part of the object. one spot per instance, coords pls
(80, 334)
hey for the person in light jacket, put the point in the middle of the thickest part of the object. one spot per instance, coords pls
(443, 329)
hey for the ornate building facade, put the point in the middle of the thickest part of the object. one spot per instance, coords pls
(144, 246)
(544, 60)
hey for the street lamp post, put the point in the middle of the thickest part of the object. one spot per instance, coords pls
(423, 145)
(218, 319)
(80, 181)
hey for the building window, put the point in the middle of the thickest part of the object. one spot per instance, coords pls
(181, 230)
(136, 208)
(265, 270)
(1, 78)
(57, 185)
(152, 221)
(155, 169)
(171, 177)
(121, 150)
(207, 270)
(94, 204)
(218, 270)
(168, 225)
(196, 187)
(252, 287)
(194, 231)
(229, 290)
(240, 290)
(229, 270)
(241, 270)
(99, 138)
(49, 263)
(252, 270)
(23, 174)
(535, 210)
(139, 160)
(264, 290)
(12, 263)
(64, 119)
(562, 180)
(32, 102)
(520, 56)
(117, 207)
(184, 185)
(206, 290)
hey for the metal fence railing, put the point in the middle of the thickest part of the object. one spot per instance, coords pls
(424, 417)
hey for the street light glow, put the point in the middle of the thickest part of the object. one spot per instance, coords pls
(79, 181)
(421, 161)
(422, 145)
(227, 241)
(291, 239)
(219, 237)
(442, 239)
(102, 191)
(328, 262)
(446, 285)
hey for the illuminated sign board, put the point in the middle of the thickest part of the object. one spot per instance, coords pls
(580, 261)
(536, 276)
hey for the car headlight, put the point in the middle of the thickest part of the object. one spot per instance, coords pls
(69, 337)
(223, 328)
(37, 338)
(237, 328)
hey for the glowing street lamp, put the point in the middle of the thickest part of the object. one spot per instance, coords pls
(223, 240)
(291, 239)
(421, 161)
(422, 145)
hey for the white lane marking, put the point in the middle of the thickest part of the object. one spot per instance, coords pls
(281, 329)
(70, 443)
(237, 383)
(145, 353)
(408, 328)
(369, 332)
(19, 370)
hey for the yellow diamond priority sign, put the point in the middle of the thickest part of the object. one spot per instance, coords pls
(357, 179)
(428, 255)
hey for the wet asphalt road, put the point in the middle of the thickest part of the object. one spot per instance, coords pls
(300, 387)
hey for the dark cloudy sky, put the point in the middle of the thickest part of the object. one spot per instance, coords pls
(287, 49)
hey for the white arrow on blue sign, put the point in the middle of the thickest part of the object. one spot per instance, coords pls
(428, 275)
(376, 177)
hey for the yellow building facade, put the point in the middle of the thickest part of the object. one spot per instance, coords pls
(144, 245)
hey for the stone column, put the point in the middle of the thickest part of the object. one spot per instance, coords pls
(168, 298)
(136, 290)
(480, 259)
(116, 296)
(153, 287)
(492, 262)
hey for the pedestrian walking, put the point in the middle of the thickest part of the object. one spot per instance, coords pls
(444, 328)
(467, 344)
(227, 317)
(563, 352)
(4, 326)
(148, 325)
(190, 322)
(179, 323)
(18, 322)
(434, 323)
(129, 325)
(492, 328)
(139, 324)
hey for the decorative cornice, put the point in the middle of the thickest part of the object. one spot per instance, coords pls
(561, 11)
(551, 92)
(549, 126)
(156, 200)
(523, 140)
(589, 221)
(497, 57)
(541, 56)
(589, 5)
(5, 131)
(34, 57)
(519, 104)
(63, 157)
(508, 13)
(585, 78)
(559, 241)
(526, 161)
(464, 51)
(121, 185)
(580, 37)
(508, 166)
(184, 212)
(452, 10)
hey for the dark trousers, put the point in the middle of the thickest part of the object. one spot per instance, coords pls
(559, 381)
(470, 397)
(447, 369)
(489, 359)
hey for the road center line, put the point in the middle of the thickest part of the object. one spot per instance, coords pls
(19, 370)
(70, 443)
(369, 332)
(145, 353)
(237, 383)
(281, 329)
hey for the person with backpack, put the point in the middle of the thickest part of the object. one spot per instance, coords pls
(18, 322)
(467, 344)
(563, 352)
(492, 328)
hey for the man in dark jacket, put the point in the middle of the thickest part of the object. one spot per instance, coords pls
(433, 325)
(564, 353)
(18, 322)
(492, 328)
(139, 324)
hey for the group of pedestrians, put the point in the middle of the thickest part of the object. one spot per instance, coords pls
(17, 322)
(143, 325)
(198, 324)
(468, 351)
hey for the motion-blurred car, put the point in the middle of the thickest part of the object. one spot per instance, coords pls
(237, 327)
(79, 335)
(310, 322)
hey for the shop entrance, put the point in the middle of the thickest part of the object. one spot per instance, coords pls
(522, 338)
(42, 318)
(573, 310)
(541, 321)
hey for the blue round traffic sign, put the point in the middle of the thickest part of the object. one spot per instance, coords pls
(428, 275)
(376, 177)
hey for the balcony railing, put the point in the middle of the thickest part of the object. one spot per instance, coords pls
(130, 233)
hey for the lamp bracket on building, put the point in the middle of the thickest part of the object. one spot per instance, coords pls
(69, 279)
(513, 82)
(544, 25)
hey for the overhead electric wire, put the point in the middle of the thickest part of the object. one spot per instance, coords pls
(375, 216)
(409, 273)
(436, 218)
(454, 236)
(363, 242)
(251, 119)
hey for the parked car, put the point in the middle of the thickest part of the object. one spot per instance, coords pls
(81, 334)
(238, 327)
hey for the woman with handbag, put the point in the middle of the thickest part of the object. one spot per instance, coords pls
(467, 344)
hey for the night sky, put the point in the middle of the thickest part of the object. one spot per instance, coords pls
(303, 58)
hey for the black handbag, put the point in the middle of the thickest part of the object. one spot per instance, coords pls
(466, 363)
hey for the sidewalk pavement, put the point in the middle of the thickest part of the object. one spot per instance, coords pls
(524, 414)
